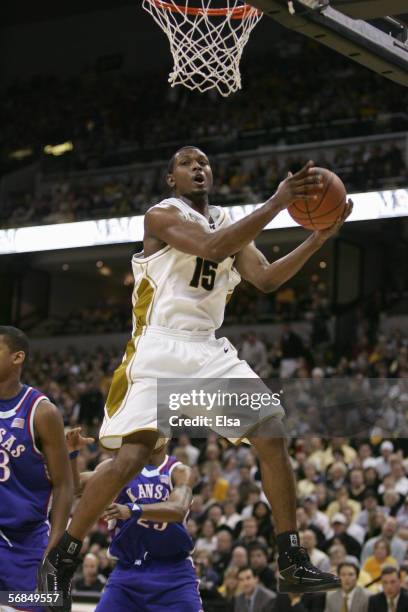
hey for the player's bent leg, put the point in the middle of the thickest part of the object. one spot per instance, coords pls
(105, 485)
(58, 567)
(296, 572)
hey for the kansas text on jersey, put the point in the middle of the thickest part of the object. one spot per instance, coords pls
(25, 489)
(134, 541)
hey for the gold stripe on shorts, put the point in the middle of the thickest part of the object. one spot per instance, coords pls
(120, 381)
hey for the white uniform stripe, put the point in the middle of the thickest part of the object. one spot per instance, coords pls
(9, 413)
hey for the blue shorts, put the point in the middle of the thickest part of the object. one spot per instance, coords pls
(20, 555)
(155, 586)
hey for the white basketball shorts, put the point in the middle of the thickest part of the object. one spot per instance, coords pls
(159, 353)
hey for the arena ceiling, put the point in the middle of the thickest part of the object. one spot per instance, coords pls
(14, 12)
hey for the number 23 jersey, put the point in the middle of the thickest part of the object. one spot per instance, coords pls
(133, 541)
(180, 291)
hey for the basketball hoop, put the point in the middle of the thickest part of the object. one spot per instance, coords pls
(206, 40)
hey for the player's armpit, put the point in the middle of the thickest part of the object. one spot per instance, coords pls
(49, 430)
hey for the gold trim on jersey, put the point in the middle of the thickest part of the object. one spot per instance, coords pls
(120, 381)
(161, 441)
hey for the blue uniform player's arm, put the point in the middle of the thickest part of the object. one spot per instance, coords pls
(75, 441)
(49, 431)
(173, 510)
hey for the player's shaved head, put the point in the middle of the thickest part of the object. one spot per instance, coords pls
(15, 339)
(170, 166)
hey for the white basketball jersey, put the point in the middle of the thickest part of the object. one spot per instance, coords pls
(180, 291)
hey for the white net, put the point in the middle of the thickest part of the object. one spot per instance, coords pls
(206, 41)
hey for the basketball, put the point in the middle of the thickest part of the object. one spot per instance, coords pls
(321, 213)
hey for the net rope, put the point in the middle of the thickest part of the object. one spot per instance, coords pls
(206, 43)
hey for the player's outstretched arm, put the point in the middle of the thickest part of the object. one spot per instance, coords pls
(49, 430)
(255, 268)
(170, 227)
(75, 441)
(173, 510)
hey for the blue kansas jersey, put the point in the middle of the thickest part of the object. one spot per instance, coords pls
(134, 541)
(25, 488)
(25, 492)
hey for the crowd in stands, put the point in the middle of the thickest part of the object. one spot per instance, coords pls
(235, 182)
(129, 119)
(106, 116)
(246, 306)
(352, 490)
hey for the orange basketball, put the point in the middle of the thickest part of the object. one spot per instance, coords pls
(321, 213)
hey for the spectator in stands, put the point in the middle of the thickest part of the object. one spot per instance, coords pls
(351, 597)
(258, 561)
(339, 525)
(382, 464)
(253, 350)
(91, 579)
(239, 557)
(380, 558)
(370, 509)
(215, 513)
(230, 471)
(192, 528)
(303, 523)
(221, 556)
(343, 501)
(208, 576)
(231, 518)
(393, 598)
(263, 515)
(357, 485)
(398, 473)
(218, 485)
(398, 547)
(307, 485)
(191, 451)
(336, 478)
(292, 349)
(353, 529)
(230, 587)
(316, 518)
(249, 532)
(208, 540)
(254, 597)
(402, 515)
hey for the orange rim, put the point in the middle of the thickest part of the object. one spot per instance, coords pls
(236, 13)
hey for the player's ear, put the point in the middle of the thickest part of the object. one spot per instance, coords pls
(19, 358)
(170, 180)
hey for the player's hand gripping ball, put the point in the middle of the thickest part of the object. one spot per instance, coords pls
(326, 208)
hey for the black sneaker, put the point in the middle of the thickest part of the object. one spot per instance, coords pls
(300, 576)
(55, 576)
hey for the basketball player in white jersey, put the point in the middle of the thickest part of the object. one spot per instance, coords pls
(193, 256)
